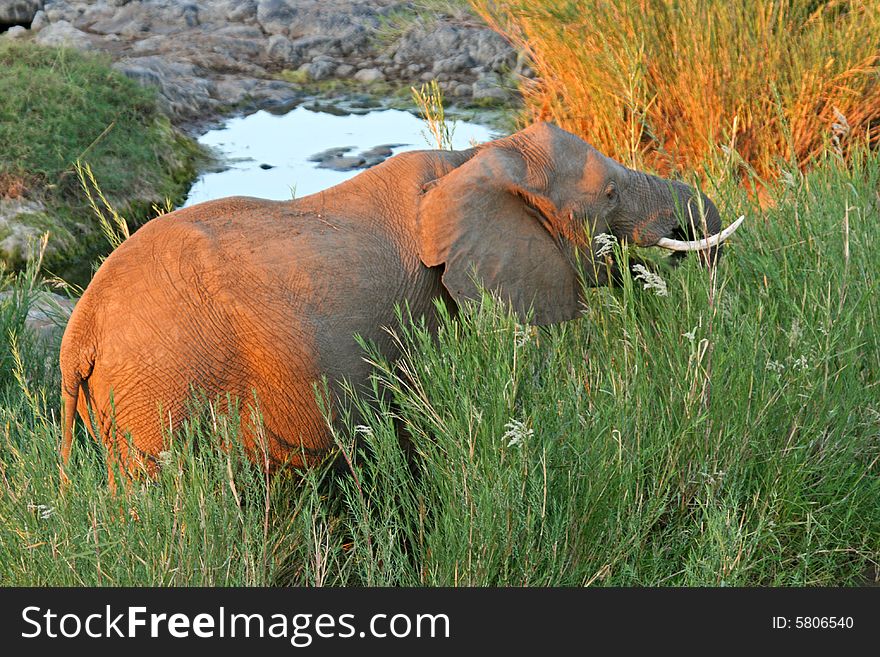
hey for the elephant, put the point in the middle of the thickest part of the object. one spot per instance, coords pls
(261, 299)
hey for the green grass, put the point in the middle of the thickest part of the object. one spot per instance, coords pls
(725, 434)
(59, 106)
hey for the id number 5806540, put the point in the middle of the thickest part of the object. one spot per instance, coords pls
(823, 622)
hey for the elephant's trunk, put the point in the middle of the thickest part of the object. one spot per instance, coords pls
(682, 214)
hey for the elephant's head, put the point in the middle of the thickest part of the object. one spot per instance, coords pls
(522, 211)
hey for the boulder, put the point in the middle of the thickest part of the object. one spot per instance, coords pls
(344, 70)
(343, 163)
(40, 21)
(369, 76)
(280, 50)
(489, 88)
(185, 92)
(330, 153)
(275, 16)
(19, 12)
(15, 32)
(447, 48)
(64, 34)
(241, 12)
(132, 20)
(320, 69)
(489, 49)
(455, 64)
(202, 46)
(310, 47)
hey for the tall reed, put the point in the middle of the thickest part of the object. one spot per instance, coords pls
(664, 83)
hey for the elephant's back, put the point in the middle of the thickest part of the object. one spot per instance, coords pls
(170, 287)
(185, 247)
(179, 307)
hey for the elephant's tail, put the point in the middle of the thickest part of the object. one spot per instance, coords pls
(71, 398)
(75, 370)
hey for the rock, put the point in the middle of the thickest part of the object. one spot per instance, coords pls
(349, 163)
(15, 32)
(449, 48)
(420, 43)
(364, 101)
(61, 11)
(242, 11)
(489, 49)
(40, 21)
(311, 47)
(329, 154)
(275, 16)
(378, 154)
(344, 70)
(489, 88)
(185, 91)
(453, 64)
(278, 106)
(336, 158)
(223, 53)
(63, 33)
(242, 91)
(320, 69)
(86, 16)
(279, 49)
(190, 15)
(329, 108)
(378, 151)
(246, 32)
(130, 20)
(19, 12)
(369, 76)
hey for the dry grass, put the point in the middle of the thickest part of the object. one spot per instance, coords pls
(429, 100)
(11, 186)
(663, 83)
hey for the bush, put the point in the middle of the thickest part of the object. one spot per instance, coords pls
(662, 84)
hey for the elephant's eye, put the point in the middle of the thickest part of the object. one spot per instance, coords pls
(611, 191)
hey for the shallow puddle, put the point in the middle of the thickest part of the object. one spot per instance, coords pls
(269, 155)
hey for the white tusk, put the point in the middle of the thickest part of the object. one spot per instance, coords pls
(699, 245)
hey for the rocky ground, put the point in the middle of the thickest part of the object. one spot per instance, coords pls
(207, 57)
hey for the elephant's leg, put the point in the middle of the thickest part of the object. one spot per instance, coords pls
(282, 420)
(285, 426)
(133, 427)
(101, 430)
(124, 457)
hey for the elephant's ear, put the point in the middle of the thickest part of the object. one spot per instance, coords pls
(482, 222)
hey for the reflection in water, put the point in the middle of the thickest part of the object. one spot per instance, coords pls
(269, 154)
